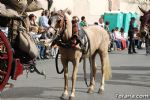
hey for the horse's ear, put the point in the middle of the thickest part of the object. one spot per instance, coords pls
(142, 10)
(53, 11)
(67, 11)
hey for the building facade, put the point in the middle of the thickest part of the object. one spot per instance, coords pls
(93, 9)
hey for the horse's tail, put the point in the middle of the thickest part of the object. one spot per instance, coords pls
(107, 70)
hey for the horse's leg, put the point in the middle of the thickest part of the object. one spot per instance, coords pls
(93, 73)
(74, 76)
(65, 66)
(105, 68)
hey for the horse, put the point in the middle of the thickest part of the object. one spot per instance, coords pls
(61, 25)
(145, 28)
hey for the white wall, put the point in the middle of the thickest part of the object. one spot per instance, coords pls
(62, 4)
(91, 9)
(125, 5)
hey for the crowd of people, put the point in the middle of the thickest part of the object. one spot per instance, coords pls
(119, 39)
(39, 32)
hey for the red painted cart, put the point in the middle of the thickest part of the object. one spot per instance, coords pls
(13, 61)
(6, 57)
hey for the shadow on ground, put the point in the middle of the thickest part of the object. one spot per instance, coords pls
(30, 92)
(120, 77)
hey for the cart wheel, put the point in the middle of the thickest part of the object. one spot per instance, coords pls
(6, 55)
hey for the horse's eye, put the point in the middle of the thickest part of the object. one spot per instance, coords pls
(58, 21)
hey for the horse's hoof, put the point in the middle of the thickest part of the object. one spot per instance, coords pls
(71, 98)
(64, 97)
(90, 90)
(100, 91)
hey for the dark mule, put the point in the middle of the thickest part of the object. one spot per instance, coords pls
(145, 28)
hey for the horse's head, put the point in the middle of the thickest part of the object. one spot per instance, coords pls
(145, 20)
(60, 23)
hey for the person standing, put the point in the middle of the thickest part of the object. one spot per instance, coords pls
(83, 22)
(131, 33)
(43, 20)
(101, 22)
(106, 27)
(32, 20)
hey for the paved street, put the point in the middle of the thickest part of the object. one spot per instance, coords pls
(131, 76)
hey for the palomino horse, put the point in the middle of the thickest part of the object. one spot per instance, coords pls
(145, 28)
(61, 25)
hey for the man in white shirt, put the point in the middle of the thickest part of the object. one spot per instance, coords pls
(43, 21)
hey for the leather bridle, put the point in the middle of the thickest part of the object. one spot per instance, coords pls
(60, 30)
(61, 24)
